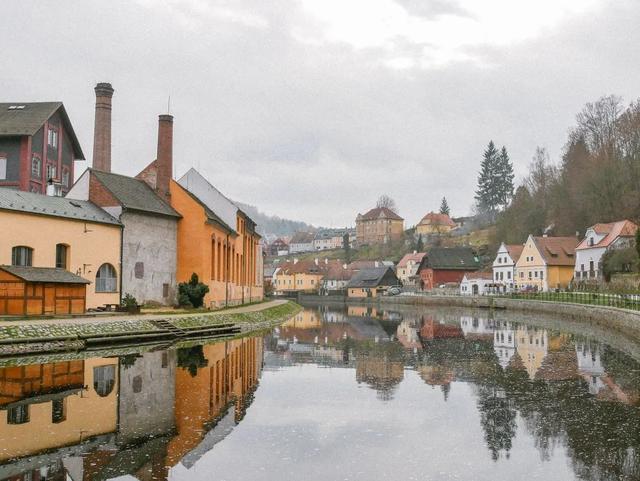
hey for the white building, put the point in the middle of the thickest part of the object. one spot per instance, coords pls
(599, 239)
(590, 365)
(476, 284)
(301, 242)
(504, 266)
(477, 326)
(504, 342)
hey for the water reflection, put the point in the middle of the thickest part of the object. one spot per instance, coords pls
(338, 388)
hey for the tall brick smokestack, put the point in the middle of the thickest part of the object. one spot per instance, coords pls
(164, 158)
(102, 128)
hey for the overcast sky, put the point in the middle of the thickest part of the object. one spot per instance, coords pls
(310, 109)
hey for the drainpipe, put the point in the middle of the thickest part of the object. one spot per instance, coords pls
(226, 285)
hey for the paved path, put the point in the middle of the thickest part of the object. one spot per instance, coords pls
(146, 317)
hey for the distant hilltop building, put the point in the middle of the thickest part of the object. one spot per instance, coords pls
(433, 223)
(301, 242)
(378, 226)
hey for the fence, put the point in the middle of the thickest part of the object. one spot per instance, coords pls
(624, 301)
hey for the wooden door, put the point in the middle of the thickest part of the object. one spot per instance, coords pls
(49, 298)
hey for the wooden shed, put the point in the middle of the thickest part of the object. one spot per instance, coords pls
(34, 291)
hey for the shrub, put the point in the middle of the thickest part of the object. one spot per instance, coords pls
(191, 294)
(129, 301)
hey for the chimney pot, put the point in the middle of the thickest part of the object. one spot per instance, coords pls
(102, 127)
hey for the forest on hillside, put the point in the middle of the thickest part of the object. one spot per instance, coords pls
(597, 179)
(272, 224)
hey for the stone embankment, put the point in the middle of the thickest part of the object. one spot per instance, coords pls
(33, 336)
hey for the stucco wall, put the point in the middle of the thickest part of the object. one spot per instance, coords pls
(152, 241)
(90, 246)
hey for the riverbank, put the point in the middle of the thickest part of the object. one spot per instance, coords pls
(625, 321)
(76, 334)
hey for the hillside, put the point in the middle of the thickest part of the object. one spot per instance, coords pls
(272, 224)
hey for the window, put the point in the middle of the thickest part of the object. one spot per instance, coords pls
(541, 274)
(508, 274)
(536, 273)
(61, 256)
(165, 290)
(18, 414)
(36, 167)
(65, 177)
(529, 274)
(3, 167)
(139, 270)
(106, 280)
(52, 140)
(104, 379)
(21, 256)
(136, 384)
(58, 411)
(51, 172)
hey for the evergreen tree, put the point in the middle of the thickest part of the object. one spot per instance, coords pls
(420, 244)
(488, 192)
(505, 178)
(347, 248)
(444, 206)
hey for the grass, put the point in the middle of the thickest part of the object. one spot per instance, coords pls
(42, 330)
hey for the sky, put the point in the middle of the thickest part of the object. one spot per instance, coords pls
(311, 109)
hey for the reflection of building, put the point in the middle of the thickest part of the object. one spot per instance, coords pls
(305, 319)
(380, 369)
(504, 342)
(56, 399)
(210, 380)
(532, 346)
(435, 330)
(407, 334)
(147, 395)
(477, 326)
(590, 365)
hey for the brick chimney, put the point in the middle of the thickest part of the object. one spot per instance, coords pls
(102, 129)
(164, 157)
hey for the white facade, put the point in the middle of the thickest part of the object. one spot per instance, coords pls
(504, 342)
(475, 286)
(300, 247)
(504, 269)
(588, 259)
(477, 326)
(408, 273)
(590, 366)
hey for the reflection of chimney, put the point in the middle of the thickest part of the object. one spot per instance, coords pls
(164, 158)
(102, 128)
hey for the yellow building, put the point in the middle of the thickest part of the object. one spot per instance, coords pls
(546, 263)
(371, 282)
(532, 345)
(378, 226)
(299, 276)
(433, 223)
(56, 400)
(75, 235)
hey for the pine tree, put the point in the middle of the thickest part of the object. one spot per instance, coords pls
(420, 244)
(488, 192)
(346, 245)
(444, 206)
(505, 178)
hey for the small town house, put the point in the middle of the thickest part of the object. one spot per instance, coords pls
(407, 268)
(442, 265)
(504, 266)
(371, 282)
(546, 263)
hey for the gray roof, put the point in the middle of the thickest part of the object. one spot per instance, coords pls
(44, 274)
(372, 277)
(134, 194)
(211, 215)
(26, 118)
(451, 258)
(28, 202)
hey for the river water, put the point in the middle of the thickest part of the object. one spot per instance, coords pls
(336, 393)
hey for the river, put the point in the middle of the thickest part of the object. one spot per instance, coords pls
(336, 393)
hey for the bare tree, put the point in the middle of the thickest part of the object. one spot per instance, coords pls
(597, 123)
(385, 201)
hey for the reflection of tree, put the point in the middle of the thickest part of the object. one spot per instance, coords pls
(192, 359)
(498, 420)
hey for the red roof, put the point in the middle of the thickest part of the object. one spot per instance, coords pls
(380, 213)
(557, 251)
(416, 257)
(437, 219)
(611, 231)
(514, 251)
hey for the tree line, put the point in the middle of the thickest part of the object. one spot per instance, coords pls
(597, 179)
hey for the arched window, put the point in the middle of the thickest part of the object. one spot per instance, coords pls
(62, 256)
(22, 256)
(104, 379)
(106, 280)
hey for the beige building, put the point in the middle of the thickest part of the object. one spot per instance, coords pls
(378, 226)
(56, 232)
(433, 223)
(546, 263)
(407, 268)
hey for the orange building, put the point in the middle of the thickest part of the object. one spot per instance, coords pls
(218, 242)
(378, 226)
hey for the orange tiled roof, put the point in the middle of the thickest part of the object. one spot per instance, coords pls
(437, 219)
(415, 257)
(380, 212)
(514, 251)
(611, 231)
(557, 251)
